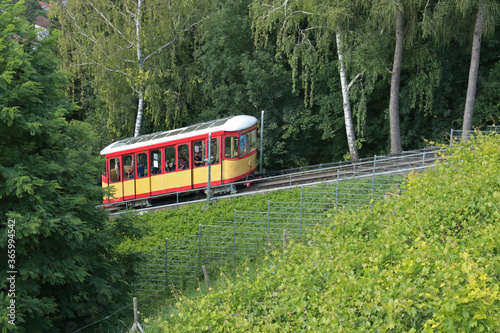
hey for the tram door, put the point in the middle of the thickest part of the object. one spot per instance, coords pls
(128, 177)
(215, 159)
(183, 181)
(115, 178)
(200, 165)
(142, 175)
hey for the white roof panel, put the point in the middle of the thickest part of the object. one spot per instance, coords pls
(229, 124)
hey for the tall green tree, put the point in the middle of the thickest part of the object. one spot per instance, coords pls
(67, 271)
(237, 78)
(306, 32)
(474, 17)
(127, 45)
(399, 18)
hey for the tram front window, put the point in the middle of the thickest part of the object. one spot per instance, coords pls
(248, 142)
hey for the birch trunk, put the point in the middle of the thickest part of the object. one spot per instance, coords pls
(140, 111)
(140, 61)
(396, 147)
(349, 128)
(473, 72)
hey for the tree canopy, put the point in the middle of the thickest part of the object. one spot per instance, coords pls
(67, 270)
(255, 55)
(129, 48)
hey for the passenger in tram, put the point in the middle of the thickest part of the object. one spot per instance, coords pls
(243, 144)
(170, 166)
(197, 160)
(183, 163)
(140, 169)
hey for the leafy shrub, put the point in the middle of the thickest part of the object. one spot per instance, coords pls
(424, 261)
(184, 221)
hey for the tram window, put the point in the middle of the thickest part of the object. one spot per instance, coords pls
(114, 169)
(128, 167)
(248, 142)
(155, 162)
(199, 153)
(214, 151)
(231, 147)
(170, 159)
(142, 165)
(183, 156)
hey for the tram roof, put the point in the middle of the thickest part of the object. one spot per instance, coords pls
(229, 124)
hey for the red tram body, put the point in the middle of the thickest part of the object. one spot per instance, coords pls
(176, 160)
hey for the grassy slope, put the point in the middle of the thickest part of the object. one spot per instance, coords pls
(177, 223)
(426, 261)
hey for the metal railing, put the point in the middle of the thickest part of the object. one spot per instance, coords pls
(456, 136)
(254, 232)
(390, 164)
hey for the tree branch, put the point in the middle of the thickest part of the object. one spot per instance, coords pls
(353, 80)
(176, 38)
(108, 21)
(75, 22)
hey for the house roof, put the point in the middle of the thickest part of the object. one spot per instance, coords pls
(42, 22)
(44, 5)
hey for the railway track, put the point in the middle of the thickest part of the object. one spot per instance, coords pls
(401, 164)
(396, 164)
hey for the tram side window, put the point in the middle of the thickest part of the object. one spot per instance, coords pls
(231, 147)
(199, 153)
(248, 142)
(142, 165)
(183, 156)
(128, 167)
(170, 159)
(155, 162)
(214, 151)
(114, 169)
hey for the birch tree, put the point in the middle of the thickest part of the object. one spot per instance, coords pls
(131, 40)
(305, 30)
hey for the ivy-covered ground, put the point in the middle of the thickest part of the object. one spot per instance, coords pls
(426, 261)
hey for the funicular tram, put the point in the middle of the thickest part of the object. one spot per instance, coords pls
(177, 160)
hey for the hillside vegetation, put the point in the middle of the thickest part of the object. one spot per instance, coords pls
(182, 222)
(426, 261)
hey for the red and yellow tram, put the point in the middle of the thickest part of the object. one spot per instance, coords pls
(177, 160)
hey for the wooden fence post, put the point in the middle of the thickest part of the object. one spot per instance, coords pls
(206, 277)
(136, 326)
(284, 242)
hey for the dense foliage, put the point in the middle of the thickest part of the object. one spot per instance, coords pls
(64, 256)
(184, 221)
(217, 70)
(424, 261)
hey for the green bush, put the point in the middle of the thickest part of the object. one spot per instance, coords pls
(184, 221)
(425, 261)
